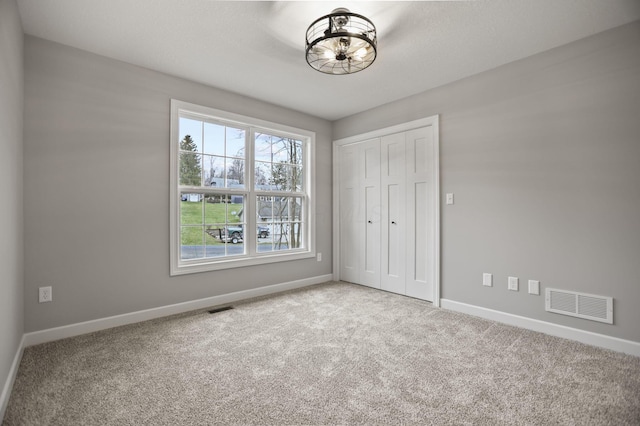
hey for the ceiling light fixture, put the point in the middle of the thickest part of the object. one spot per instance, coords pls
(341, 43)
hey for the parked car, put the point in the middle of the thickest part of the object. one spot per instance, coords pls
(235, 233)
(263, 232)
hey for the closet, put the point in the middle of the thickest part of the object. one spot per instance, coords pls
(387, 210)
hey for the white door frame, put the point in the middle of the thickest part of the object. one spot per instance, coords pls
(416, 124)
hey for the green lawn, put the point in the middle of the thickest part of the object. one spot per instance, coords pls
(215, 215)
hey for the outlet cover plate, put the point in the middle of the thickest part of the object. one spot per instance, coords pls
(534, 287)
(45, 294)
(487, 280)
(513, 283)
(449, 198)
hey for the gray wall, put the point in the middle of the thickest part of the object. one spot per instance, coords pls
(543, 156)
(11, 239)
(97, 188)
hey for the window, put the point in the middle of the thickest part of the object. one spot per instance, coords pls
(241, 190)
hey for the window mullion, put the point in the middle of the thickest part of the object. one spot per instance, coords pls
(252, 227)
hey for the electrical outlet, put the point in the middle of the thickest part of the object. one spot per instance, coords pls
(319, 257)
(534, 287)
(513, 283)
(487, 280)
(45, 294)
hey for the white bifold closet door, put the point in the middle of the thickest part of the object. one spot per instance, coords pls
(421, 192)
(360, 213)
(387, 217)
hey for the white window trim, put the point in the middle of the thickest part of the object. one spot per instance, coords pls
(180, 267)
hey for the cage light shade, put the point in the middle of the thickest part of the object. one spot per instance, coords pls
(341, 43)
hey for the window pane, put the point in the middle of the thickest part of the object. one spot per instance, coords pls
(191, 238)
(297, 179)
(264, 207)
(235, 233)
(193, 129)
(264, 221)
(280, 177)
(190, 169)
(215, 208)
(280, 208)
(288, 178)
(213, 139)
(235, 173)
(295, 209)
(213, 170)
(287, 150)
(235, 142)
(265, 237)
(215, 234)
(264, 231)
(224, 208)
(214, 244)
(295, 235)
(224, 240)
(297, 159)
(281, 236)
(263, 148)
(190, 208)
(262, 176)
(235, 209)
(278, 163)
(224, 225)
(281, 153)
(281, 217)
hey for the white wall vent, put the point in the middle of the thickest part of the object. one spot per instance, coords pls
(581, 305)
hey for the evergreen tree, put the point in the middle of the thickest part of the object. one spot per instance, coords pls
(190, 168)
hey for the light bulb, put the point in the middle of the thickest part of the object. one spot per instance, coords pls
(361, 53)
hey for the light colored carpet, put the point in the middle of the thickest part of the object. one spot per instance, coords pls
(334, 353)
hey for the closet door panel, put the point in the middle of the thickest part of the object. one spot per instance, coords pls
(392, 275)
(420, 263)
(350, 245)
(370, 200)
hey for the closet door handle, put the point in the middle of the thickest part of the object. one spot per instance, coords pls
(369, 221)
(393, 222)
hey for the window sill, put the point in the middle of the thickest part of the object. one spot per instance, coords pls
(206, 265)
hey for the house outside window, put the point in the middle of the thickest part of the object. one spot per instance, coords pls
(241, 190)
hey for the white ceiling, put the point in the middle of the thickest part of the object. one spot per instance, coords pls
(257, 48)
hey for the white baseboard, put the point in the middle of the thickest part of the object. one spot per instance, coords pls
(8, 385)
(72, 330)
(614, 343)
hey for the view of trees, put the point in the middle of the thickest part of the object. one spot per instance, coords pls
(279, 168)
(236, 170)
(287, 176)
(190, 168)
